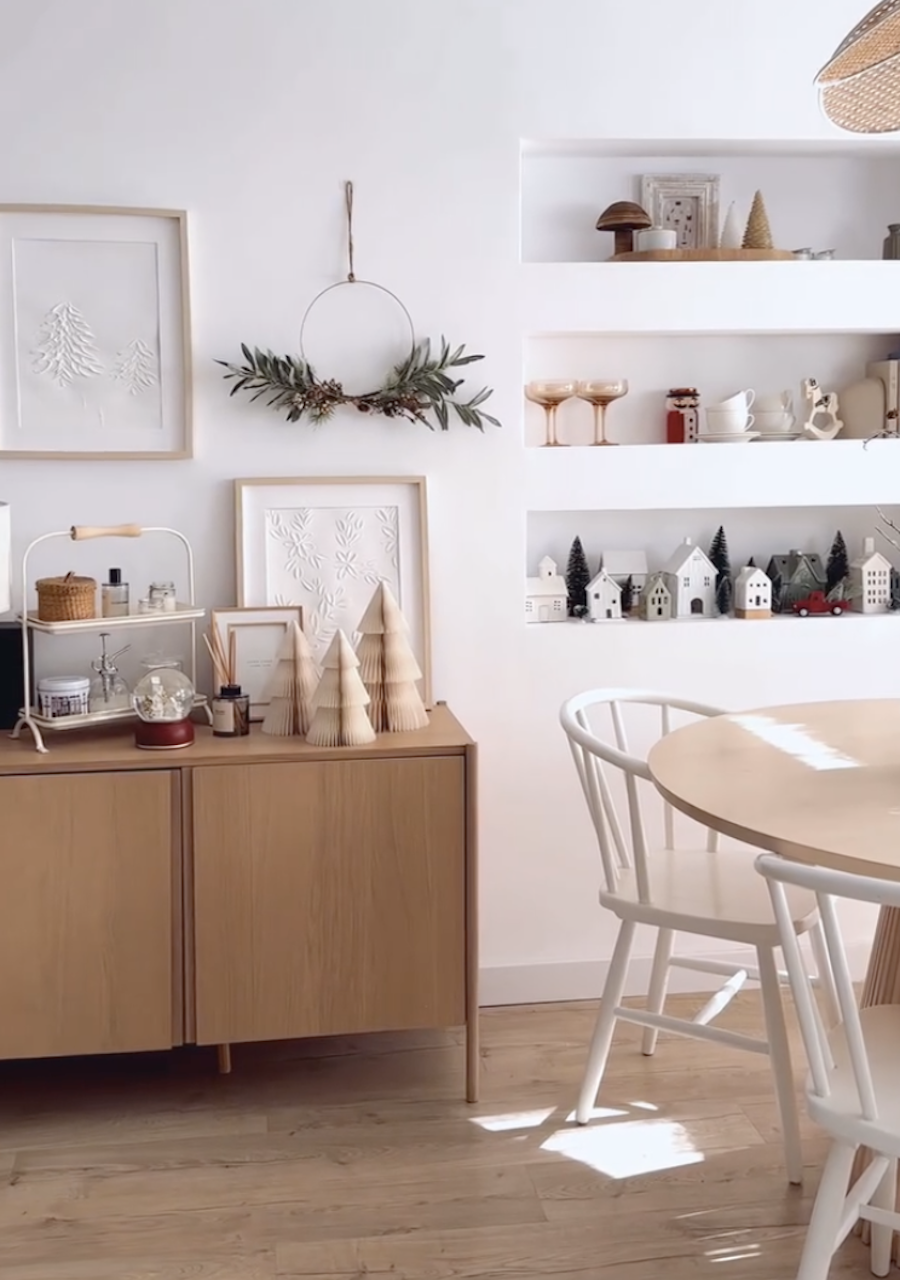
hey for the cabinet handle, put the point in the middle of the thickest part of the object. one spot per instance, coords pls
(79, 532)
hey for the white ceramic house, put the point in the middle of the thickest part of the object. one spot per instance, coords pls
(691, 577)
(604, 598)
(870, 581)
(545, 595)
(752, 593)
(622, 565)
(656, 601)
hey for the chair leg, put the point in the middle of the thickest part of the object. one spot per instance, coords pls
(606, 1021)
(780, 1058)
(821, 1235)
(825, 975)
(883, 1237)
(659, 982)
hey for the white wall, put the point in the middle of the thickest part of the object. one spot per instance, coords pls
(250, 117)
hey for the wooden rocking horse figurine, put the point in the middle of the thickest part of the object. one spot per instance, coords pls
(824, 404)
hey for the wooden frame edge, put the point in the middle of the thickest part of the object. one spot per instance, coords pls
(473, 1039)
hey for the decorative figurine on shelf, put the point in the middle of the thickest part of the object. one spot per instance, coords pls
(163, 700)
(624, 567)
(731, 230)
(718, 554)
(546, 598)
(339, 715)
(691, 578)
(758, 234)
(291, 687)
(604, 598)
(388, 666)
(869, 581)
(624, 218)
(837, 567)
(794, 576)
(578, 575)
(683, 415)
(656, 600)
(752, 593)
(820, 404)
(817, 602)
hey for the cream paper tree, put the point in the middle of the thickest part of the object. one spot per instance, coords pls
(388, 666)
(339, 715)
(292, 685)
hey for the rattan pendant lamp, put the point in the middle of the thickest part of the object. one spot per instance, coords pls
(860, 84)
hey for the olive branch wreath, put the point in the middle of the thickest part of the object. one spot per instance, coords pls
(420, 385)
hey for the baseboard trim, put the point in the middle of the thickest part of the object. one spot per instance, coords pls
(583, 980)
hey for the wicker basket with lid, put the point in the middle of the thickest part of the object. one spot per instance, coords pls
(66, 599)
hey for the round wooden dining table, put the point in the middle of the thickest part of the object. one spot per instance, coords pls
(818, 783)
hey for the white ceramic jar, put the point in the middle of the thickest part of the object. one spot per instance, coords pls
(64, 696)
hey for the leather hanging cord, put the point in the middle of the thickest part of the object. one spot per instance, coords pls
(348, 196)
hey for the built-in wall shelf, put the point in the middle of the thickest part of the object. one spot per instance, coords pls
(710, 297)
(797, 474)
(825, 195)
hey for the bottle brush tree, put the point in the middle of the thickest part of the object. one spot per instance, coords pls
(578, 575)
(718, 553)
(724, 595)
(777, 593)
(627, 595)
(758, 234)
(838, 565)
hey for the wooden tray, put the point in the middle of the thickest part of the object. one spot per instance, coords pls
(705, 255)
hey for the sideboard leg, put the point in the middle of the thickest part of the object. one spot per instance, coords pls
(224, 1059)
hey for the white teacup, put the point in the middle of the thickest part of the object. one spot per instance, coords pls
(774, 422)
(778, 402)
(727, 422)
(741, 401)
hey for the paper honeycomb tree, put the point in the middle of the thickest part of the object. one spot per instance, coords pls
(340, 701)
(388, 666)
(291, 687)
(758, 234)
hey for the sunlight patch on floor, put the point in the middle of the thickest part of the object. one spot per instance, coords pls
(629, 1149)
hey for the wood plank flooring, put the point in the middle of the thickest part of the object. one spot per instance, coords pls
(353, 1158)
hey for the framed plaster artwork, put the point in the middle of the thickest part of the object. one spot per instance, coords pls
(688, 203)
(258, 636)
(95, 358)
(325, 543)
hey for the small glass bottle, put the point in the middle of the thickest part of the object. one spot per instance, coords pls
(114, 596)
(231, 712)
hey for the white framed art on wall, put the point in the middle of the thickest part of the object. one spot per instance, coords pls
(95, 357)
(325, 543)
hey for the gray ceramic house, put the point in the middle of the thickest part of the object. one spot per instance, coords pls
(800, 573)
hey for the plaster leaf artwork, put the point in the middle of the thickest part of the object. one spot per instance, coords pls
(329, 559)
(136, 368)
(67, 348)
(87, 334)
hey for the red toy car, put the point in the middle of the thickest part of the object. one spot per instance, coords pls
(818, 602)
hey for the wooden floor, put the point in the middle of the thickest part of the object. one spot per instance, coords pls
(358, 1158)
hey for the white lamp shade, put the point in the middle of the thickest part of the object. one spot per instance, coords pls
(5, 558)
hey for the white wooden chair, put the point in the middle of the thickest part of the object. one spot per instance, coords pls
(700, 891)
(853, 1089)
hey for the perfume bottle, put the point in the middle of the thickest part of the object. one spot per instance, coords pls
(109, 692)
(114, 596)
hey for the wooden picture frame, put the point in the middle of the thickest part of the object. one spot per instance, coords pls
(325, 542)
(687, 202)
(255, 659)
(95, 334)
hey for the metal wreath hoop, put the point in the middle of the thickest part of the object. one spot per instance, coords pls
(371, 284)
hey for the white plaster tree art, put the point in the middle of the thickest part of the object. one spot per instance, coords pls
(388, 666)
(340, 701)
(135, 368)
(67, 349)
(291, 687)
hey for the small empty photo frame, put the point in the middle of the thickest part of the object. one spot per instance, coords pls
(254, 637)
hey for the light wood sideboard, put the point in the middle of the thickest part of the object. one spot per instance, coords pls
(238, 890)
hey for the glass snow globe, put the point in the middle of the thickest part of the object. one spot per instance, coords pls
(163, 700)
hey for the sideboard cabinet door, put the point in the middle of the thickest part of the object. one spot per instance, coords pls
(329, 897)
(86, 913)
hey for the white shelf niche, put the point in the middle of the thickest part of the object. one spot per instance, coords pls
(837, 195)
(710, 297)
(717, 364)
(757, 532)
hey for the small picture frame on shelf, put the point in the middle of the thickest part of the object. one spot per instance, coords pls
(325, 543)
(95, 345)
(254, 637)
(687, 203)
